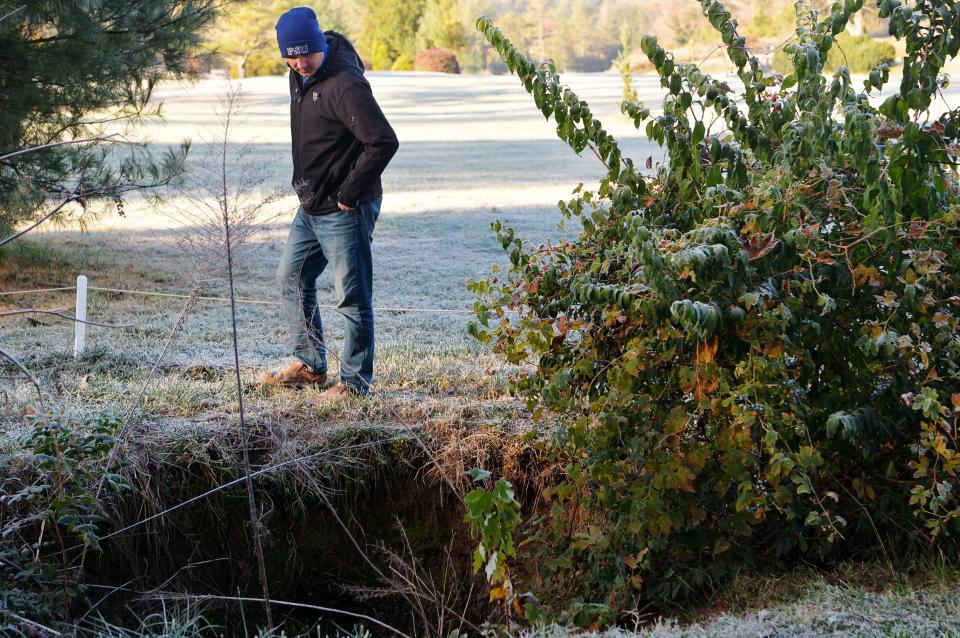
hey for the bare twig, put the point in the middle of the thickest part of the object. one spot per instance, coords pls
(14, 12)
(16, 362)
(32, 623)
(366, 558)
(420, 583)
(226, 210)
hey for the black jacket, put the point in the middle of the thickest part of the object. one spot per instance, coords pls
(341, 139)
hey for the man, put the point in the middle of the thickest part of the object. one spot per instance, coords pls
(341, 144)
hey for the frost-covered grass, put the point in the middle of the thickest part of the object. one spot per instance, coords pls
(473, 149)
(825, 611)
(864, 600)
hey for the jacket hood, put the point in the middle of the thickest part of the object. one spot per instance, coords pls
(342, 141)
(342, 56)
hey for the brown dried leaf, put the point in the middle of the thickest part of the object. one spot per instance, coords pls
(760, 245)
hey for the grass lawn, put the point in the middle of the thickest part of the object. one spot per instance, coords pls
(473, 149)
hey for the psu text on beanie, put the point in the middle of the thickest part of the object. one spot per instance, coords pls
(299, 33)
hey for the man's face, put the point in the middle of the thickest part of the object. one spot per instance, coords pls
(307, 64)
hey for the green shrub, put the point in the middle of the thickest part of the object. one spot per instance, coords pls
(860, 54)
(403, 63)
(493, 516)
(66, 499)
(264, 62)
(436, 60)
(754, 353)
(380, 59)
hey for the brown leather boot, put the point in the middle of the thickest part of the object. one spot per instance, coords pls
(337, 392)
(295, 375)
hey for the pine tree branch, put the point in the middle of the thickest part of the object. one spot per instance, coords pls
(14, 12)
(39, 221)
(113, 138)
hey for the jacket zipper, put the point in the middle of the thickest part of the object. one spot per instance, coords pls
(299, 140)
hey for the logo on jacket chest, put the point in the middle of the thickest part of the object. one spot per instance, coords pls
(316, 95)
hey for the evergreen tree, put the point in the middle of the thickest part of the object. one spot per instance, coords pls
(441, 26)
(244, 30)
(623, 64)
(393, 25)
(244, 35)
(68, 70)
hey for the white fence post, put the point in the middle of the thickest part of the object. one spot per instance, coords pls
(80, 335)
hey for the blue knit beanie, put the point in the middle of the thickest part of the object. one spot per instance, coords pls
(299, 33)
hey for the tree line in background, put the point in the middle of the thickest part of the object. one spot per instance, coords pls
(113, 49)
(578, 35)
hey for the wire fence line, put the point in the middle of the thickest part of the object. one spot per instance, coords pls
(10, 293)
(256, 302)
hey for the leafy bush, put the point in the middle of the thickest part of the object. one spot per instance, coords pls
(436, 60)
(754, 353)
(860, 54)
(493, 517)
(403, 63)
(42, 519)
(380, 59)
(261, 63)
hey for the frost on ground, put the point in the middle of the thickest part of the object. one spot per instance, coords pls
(825, 611)
(473, 149)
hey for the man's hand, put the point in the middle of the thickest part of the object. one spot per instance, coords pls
(345, 208)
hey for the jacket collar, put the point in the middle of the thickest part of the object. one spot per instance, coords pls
(341, 56)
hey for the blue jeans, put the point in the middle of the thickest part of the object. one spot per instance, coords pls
(341, 239)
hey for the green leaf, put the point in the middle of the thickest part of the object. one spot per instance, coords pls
(478, 475)
(699, 130)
